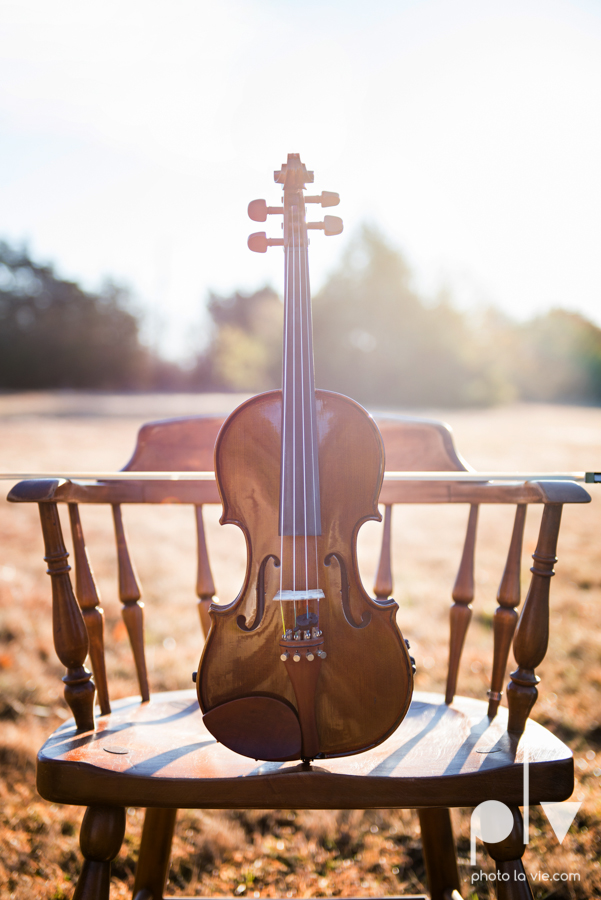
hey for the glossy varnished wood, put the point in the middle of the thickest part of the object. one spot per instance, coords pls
(351, 713)
(176, 445)
(62, 490)
(93, 614)
(461, 611)
(505, 617)
(205, 585)
(507, 854)
(69, 631)
(130, 595)
(258, 726)
(414, 444)
(440, 755)
(100, 839)
(532, 633)
(383, 584)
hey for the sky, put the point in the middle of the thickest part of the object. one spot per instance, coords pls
(134, 134)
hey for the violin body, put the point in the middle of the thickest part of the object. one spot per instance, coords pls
(362, 688)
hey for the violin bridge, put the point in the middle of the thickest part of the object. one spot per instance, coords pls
(314, 594)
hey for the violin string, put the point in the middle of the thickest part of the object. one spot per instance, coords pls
(312, 416)
(284, 417)
(303, 300)
(293, 417)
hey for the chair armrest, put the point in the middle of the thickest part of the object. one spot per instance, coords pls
(42, 491)
(61, 490)
(563, 492)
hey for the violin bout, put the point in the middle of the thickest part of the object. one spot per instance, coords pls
(259, 700)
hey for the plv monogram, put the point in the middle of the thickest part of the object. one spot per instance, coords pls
(492, 821)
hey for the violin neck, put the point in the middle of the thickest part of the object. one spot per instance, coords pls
(299, 487)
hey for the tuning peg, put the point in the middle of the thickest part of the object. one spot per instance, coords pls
(326, 198)
(258, 210)
(330, 225)
(259, 242)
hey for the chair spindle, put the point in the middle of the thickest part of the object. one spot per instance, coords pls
(532, 633)
(461, 611)
(505, 618)
(205, 586)
(383, 585)
(69, 630)
(89, 602)
(132, 609)
(507, 854)
(100, 839)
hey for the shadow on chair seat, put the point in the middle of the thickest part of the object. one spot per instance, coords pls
(159, 753)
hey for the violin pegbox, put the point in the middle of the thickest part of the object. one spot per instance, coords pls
(293, 176)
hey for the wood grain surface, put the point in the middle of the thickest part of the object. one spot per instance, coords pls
(365, 648)
(160, 754)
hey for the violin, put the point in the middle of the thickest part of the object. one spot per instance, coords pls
(303, 664)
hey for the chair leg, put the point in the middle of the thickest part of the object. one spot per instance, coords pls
(155, 853)
(439, 852)
(512, 882)
(100, 840)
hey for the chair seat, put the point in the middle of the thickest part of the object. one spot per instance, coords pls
(160, 754)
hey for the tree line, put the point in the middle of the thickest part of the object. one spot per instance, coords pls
(376, 339)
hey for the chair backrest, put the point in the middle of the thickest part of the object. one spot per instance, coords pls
(176, 445)
(186, 444)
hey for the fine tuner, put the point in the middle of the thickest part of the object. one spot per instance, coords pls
(258, 212)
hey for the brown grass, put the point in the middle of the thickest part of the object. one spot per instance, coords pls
(288, 853)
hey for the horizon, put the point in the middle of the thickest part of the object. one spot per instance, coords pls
(468, 135)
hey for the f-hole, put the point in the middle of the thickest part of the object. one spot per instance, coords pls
(344, 592)
(260, 608)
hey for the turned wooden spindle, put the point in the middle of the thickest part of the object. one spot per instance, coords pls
(100, 839)
(69, 630)
(505, 618)
(132, 609)
(507, 854)
(89, 602)
(532, 633)
(461, 611)
(205, 586)
(383, 584)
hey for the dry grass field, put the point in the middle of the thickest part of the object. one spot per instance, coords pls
(287, 853)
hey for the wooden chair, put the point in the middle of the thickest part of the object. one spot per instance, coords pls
(155, 753)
